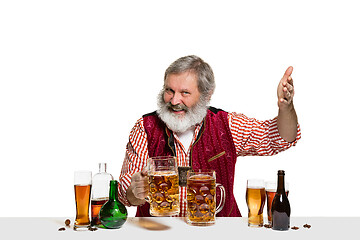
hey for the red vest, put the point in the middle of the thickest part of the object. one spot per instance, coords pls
(213, 149)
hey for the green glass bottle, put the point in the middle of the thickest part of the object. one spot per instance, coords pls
(113, 213)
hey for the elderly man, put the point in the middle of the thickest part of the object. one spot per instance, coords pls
(202, 137)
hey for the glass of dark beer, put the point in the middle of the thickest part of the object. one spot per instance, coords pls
(82, 187)
(255, 200)
(270, 188)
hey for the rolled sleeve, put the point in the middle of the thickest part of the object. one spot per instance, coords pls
(257, 138)
(135, 159)
(277, 142)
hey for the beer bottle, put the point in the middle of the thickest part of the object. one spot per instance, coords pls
(280, 208)
(113, 213)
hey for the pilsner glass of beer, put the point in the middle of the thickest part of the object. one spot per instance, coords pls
(163, 186)
(255, 200)
(201, 197)
(82, 187)
(270, 188)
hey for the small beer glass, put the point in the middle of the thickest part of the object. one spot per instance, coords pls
(201, 197)
(255, 200)
(270, 188)
(82, 187)
(163, 186)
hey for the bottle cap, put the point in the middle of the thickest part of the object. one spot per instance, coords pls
(281, 172)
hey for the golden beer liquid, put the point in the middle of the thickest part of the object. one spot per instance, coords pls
(255, 200)
(201, 200)
(82, 200)
(164, 194)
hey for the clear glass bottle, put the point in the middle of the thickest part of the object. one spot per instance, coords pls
(113, 213)
(99, 193)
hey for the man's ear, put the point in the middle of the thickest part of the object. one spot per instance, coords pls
(208, 98)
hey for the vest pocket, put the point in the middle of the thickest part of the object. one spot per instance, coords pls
(216, 156)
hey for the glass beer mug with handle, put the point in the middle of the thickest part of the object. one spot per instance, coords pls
(201, 197)
(163, 186)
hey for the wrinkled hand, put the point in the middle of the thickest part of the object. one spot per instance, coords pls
(285, 90)
(139, 188)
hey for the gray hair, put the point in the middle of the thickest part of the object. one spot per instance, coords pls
(205, 75)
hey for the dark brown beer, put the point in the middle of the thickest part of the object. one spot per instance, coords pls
(82, 199)
(164, 194)
(96, 205)
(201, 199)
(280, 209)
(255, 200)
(270, 194)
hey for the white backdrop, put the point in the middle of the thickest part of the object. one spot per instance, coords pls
(76, 75)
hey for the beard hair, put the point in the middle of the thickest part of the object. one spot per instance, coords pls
(180, 124)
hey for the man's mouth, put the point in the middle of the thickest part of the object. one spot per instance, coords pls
(178, 108)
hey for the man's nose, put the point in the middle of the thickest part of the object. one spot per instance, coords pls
(176, 99)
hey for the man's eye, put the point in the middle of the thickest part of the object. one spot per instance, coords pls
(168, 90)
(185, 93)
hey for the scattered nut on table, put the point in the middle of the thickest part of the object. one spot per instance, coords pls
(307, 226)
(92, 228)
(267, 225)
(67, 222)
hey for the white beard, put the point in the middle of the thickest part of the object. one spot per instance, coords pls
(177, 123)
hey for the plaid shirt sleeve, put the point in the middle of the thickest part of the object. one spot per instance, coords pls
(135, 158)
(257, 138)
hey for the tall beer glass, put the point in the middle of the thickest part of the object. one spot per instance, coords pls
(82, 187)
(255, 200)
(163, 186)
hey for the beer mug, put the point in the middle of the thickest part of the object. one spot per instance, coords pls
(201, 197)
(163, 186)
(255, 200)
(82, 187)
(270, 188)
